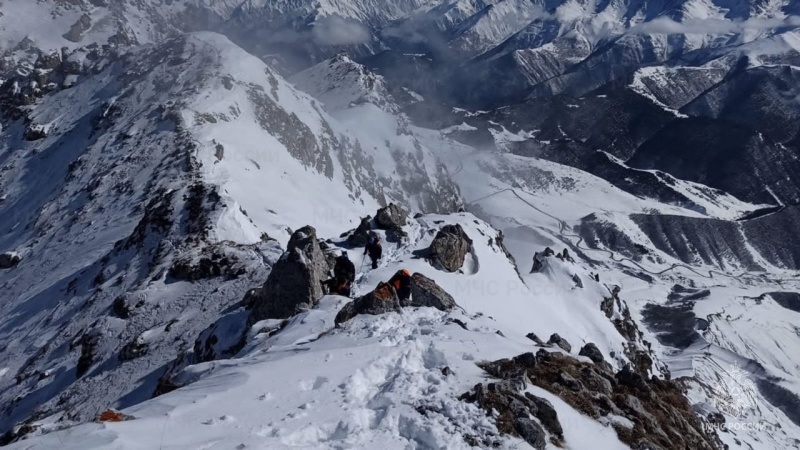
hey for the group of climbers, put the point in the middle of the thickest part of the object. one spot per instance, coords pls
(344, 271)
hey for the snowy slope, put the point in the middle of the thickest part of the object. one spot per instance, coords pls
(148, 188)
(736, 325)
(360, 101)
(382, 372)
(155, 160)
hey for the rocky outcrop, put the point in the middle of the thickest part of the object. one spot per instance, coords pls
(392, 217)
(524, 415)
(360, 236)
(211, 262)
(660, 414)
(538, 259)
(449, 248)
(562, 343)
(9, 260)
(294, 283)
(536, 339)
(425, 292)
(380, 301)
(565, 256)
(592, 352)
(223, 339)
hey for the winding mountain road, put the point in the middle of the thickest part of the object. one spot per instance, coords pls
(567, 236)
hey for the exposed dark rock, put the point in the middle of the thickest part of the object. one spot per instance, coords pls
(546, 414)
(565, 256)
(9, 260)
(166, 383)
(629, 378)
(121, 307)
(449, 248)
(294, 283)
(531, 432)
(391, 218)
(607, 306)
(500, 241)
(18, 433)
(425, 292)
(537, 263)
(661, 414)
(535, 338)
(555, 339)
(789, 300)
(223, 339)
(360, 236)
(214, 261)
(592, 352)
(88, 343)
(133, 350)
(674, 325)
(577, 280)
(380, 301)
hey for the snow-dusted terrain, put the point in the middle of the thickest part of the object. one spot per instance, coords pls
(157, 158)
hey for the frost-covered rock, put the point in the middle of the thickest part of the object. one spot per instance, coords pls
(562, 343)
(425, 292)
(380, 301)
(450, 247)
(660, 416)
(295, 281)
(591, 351)
(9, 260)
(391, 218)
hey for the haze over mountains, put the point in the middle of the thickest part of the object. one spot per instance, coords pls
(157, 159)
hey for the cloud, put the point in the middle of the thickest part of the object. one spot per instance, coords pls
(665, 25)
(336, 30)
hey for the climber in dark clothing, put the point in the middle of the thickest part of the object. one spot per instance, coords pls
(374, 249)
(402, 284)
(344, 274)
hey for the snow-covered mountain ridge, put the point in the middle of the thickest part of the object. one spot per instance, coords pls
(151, 179)
(138, 190)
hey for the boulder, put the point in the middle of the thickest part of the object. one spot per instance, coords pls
(565, 256)
(592, 352)
(555, 339)
(380, 301)
(449, 248)
(360, 236)
(295, 282)
(391, 217)
(531, 432)
(535, 338)
(425, 292)
(577, 280)
(9, 260)
(546, 414)
(537, 263)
